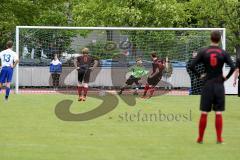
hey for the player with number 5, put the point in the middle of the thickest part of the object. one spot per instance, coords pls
(9, 60)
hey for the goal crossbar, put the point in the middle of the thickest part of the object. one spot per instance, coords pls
(121, 28)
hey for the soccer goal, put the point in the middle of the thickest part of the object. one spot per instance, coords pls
(116, 48)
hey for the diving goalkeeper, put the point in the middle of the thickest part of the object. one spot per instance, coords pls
(137, 72)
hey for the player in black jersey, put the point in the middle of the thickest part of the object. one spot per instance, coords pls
(213, 92)
(155, 77)
(84, 65)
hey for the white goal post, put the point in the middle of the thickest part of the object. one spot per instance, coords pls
(223, 30)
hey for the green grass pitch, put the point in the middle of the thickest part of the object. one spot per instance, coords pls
(30, 130)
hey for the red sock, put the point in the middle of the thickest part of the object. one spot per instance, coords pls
(202, 126)
(80, 90)
(145, 89)
(219, 125)
(152, 91)
(85, 90)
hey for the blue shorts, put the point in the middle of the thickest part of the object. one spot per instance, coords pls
(6, 74)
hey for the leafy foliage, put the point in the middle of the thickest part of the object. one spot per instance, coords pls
(214, 13)
(131, 13)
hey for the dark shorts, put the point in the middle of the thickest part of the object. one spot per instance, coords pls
(154, 80)
(212, 97)
(84, 76)
(132, 80)
(55, 79)
(6, 74)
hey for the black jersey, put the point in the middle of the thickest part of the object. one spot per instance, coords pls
(213, 58)
(157, 67)
(85, 62)
(157, 72)
(238, 63)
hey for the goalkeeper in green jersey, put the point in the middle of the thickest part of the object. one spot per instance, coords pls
(137, 72)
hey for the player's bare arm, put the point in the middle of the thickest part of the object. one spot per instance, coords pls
(166, 64)
(95, 64)
(15, 63)
(75, 63)
(236, 73)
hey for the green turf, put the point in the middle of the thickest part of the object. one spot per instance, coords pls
(30, 130)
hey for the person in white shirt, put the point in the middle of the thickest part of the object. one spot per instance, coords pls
(9, 60)
(55, 69)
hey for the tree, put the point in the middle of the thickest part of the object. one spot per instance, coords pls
(29, 12)
(132, 13)
(215, 13)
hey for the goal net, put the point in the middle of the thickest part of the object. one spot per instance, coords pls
(116, 49)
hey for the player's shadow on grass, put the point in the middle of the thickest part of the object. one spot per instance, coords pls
(109, 103)
(130, 100)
